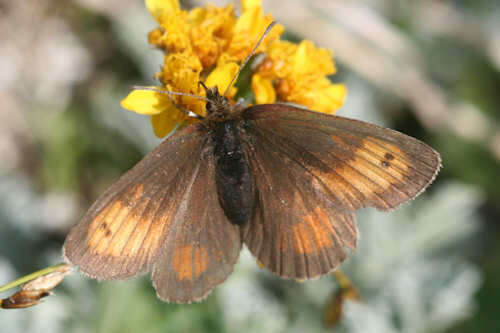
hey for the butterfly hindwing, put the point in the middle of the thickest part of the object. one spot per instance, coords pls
(205, 246)
(312, 172)
(296, 232)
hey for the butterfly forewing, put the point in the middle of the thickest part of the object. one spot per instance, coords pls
(313, 171)
(122, 233)
(359, 164)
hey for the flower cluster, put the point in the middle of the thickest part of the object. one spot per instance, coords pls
(209, 44)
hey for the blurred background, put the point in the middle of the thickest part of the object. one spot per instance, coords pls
(427, 68)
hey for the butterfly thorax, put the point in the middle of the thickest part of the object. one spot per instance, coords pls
(234, 181)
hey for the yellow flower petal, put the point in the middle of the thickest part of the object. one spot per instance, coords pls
(309, 59)
(157, 37)
(162, 125)
(146, 102)
(330, 99)
(263, 90)
(248, 29)
(248, 4)
(326, 100)
(181, 71)
(167, 121)
(221, 76)
(291, 61)
(174, 33)
(211, 32)
(225, 58)
(196, 16)
(159, 8)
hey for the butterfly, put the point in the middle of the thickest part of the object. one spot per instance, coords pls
(283, 180)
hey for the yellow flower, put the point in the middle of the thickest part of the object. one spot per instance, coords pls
(173, 33)
(165, 116)
(205, 32)
(317, 95)
(249, 28)
(298, 74)
(160, 8)
(181, 72)
(209, 43)
(211, 32)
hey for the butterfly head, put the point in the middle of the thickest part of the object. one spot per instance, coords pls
(218, 106)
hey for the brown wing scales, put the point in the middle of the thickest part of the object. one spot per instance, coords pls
(368, 165)
(296, 231)
(163, 213)
(313, 171)
(122, 233)
(204, 247)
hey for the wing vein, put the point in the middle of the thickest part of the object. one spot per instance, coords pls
(163, 200)
(317, 177)
(315, 128)
(125, 186)
(132, 208)
(350, 166)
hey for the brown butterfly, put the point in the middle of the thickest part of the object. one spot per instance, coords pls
(282, 180)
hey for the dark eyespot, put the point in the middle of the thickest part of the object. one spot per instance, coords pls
(104, 227)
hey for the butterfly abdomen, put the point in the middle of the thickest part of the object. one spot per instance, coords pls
(235, 184)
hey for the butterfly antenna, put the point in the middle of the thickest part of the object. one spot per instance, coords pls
(174, 93)
(168, 92)
(269, 27)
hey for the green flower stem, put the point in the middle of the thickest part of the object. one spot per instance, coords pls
(30, 277)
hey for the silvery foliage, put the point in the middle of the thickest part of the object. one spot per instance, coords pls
(409, 268)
